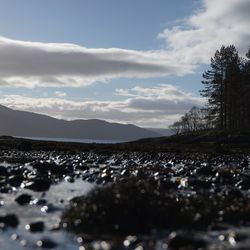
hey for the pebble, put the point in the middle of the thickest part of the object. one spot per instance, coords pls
(10, 220)
(38, 185)
(46, 243)
(23, 199)
(185, 241)
(222, 179)
(35, 227)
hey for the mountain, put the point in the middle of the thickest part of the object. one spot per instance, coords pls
(28, 124)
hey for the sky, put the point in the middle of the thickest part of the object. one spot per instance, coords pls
(138, 62)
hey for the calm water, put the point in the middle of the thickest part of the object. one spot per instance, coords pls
(20, 238)
(71, 140)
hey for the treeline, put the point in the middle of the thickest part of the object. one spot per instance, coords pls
(227, 91)
(194, 120)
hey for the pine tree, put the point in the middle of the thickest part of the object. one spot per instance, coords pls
(221, 88)
(245, 93)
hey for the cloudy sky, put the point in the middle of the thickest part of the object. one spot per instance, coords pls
(127, 61)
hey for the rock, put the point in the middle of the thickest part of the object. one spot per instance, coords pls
(3, 171)
(50, 208)
(205, 170)
(126, 207)
(69, 179)
(46, 243)
(3, 180)
(23, 199)
(38, 185)
(40, 202)
(244, 183)
(245, 163)
(6, 190)
(10, 220)
(53, 168)
(199, 183)
(185, 241)
(35, 226)
(15, 180)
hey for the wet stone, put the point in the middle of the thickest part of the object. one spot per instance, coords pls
(3, 171)
(199, 183)
(50, 208)
(39, 202)
(23, 199)
(3, 180)
(206, 170)
(52, 168)
(38, 185)
(6, 189)
(69, 179)
(185, 241)
(244, 183)
(204, 198)
(16, 181)
(10, 220)
(46, 243)
(35, 227)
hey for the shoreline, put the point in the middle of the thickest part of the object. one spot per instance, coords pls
(191, 143)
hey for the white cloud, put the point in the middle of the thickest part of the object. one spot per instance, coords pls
(219, 22)
(31, 64)
(150, 107)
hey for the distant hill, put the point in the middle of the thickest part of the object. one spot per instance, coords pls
(28, 124)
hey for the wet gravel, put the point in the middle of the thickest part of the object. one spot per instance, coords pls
(124, 200)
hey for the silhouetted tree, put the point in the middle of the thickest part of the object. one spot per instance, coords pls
(194, 120)
(227, 90)
(222, 88)
(245, 94)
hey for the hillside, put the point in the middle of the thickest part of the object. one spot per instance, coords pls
(28, 124)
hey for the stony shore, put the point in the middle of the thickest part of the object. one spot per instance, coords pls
(103, 197)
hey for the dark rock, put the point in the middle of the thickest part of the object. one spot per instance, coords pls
(186, 241)
(6, 190)
(46, 243)
(245, 163)
(41, 202)
(199, 183)
(3, 171)
(3, 180)
(16, 180)
(23, 199)
(53, 168)
(206, 170)
(50, 208)
(127, 207)
(10, 220)
(225, 177)
(35, 227)
(39, 185)
(244, 183)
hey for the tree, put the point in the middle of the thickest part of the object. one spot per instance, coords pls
(245, 93)
(176, 127)
(222, 88)
(194, 120)
(227, 90)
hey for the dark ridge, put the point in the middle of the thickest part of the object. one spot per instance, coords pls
(28, 124)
